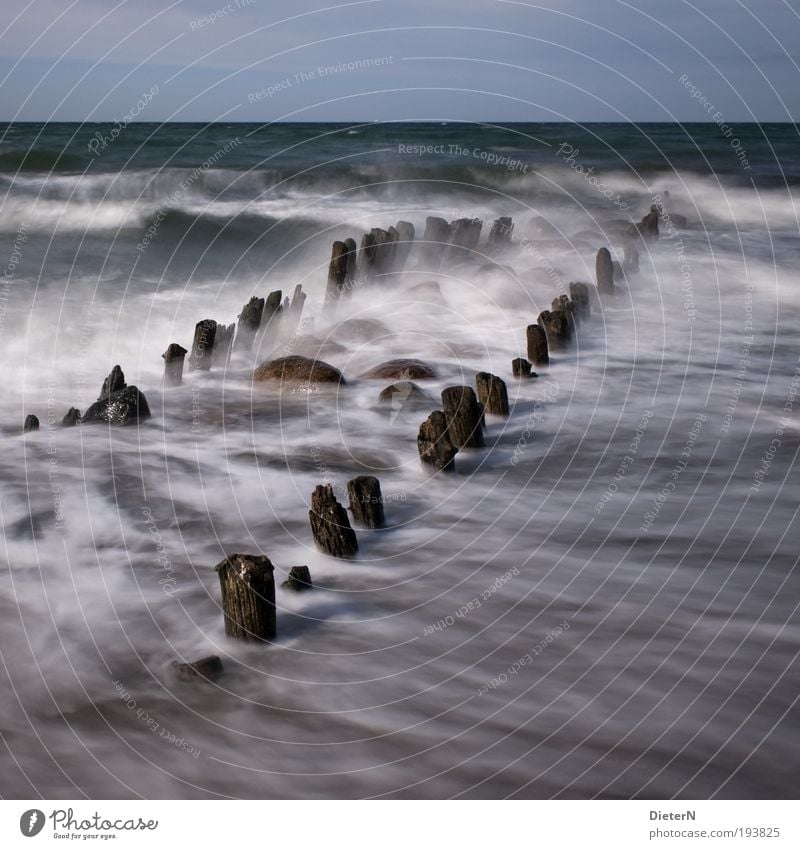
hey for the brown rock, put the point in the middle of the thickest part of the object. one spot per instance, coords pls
(402, 369)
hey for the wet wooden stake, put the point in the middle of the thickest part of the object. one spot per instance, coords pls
(223, 345)
(604, 271)
(248, 596)
(435, 241)
(492, 393)
(173, 364)
(366, 501)
(630, 259)
(434, 445)
(579, 292)
(556, 326)
(330, 525)
(249, 322)
(464, 416)
(520, 367)
(500, 234)
(203, 345)
(538, 352)
(405, 241)
(337, 272)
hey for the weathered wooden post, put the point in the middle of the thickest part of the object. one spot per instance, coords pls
(464, 417)
(337, 272)
(203, 345)
(538, 352)
(366, 501)
(579, 292)
(434, 445)
(492, 393)
(556, 327)
(248, 596)
(465, 233)
(330, 525)
(405, 241)
(249, 322)
(500, 234)
(604, 271)
(563, 303)
(173, 364)
(299, 579)
(223, 345)
(435, 241)
(31, 424)
(520, 367)
(648, 226)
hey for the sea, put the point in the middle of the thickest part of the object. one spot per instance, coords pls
(602, 602)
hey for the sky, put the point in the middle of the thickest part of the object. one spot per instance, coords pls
(472, 60)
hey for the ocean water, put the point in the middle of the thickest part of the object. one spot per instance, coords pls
(602, 602)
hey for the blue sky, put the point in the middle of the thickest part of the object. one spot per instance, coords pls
(496, 60)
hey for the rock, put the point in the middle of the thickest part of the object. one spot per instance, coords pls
(403, 395)
(126, 407)
(31, 424)
(296, 369)
(360, 329)
(401, 369)
(429, 290)
(72, 417)
(520, 367)
(299, 579)
(207, 667)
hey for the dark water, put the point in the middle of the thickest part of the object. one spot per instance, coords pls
(602, 602)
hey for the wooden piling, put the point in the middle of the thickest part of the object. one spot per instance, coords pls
(223, 345)
(538, 351)
(330, 525)
(604, 272)
(434, 243)
(520, 367)
(434, 445)
(555, 324)
(579, 293)
(630, 259)
(203, 345)
(464, 417)
(500, 234)
(173, 364)
(366, 501)
(248, 596)
(249, 323)
(405, 241)
(492, 393)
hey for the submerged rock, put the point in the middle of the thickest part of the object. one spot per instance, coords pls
(297, 369)
(403, 394)
(31, 424)
(72, 417)
(299, 579)
(360, 329)
(125, 407)
(401, 369)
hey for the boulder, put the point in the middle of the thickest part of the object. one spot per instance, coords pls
(401, 369)
(125, 407)
(296, 369)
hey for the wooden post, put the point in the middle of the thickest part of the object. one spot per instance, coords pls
(556, 327)
(299, 579)
(330, 525)
(31, 424)
(465, 234)
(203, 345)
(492, 393)
(648, 226)
(579, 292)
(563, 303)
(248, 596)
(366, 501)
(604, 271)
(405, 241)
(464, 417)
(434, 445)
(538, 352)
(337, 272)
(500, 234)
(173, 364)
(223, 345)
(520, 367)
(435, 242)
(249, 322)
